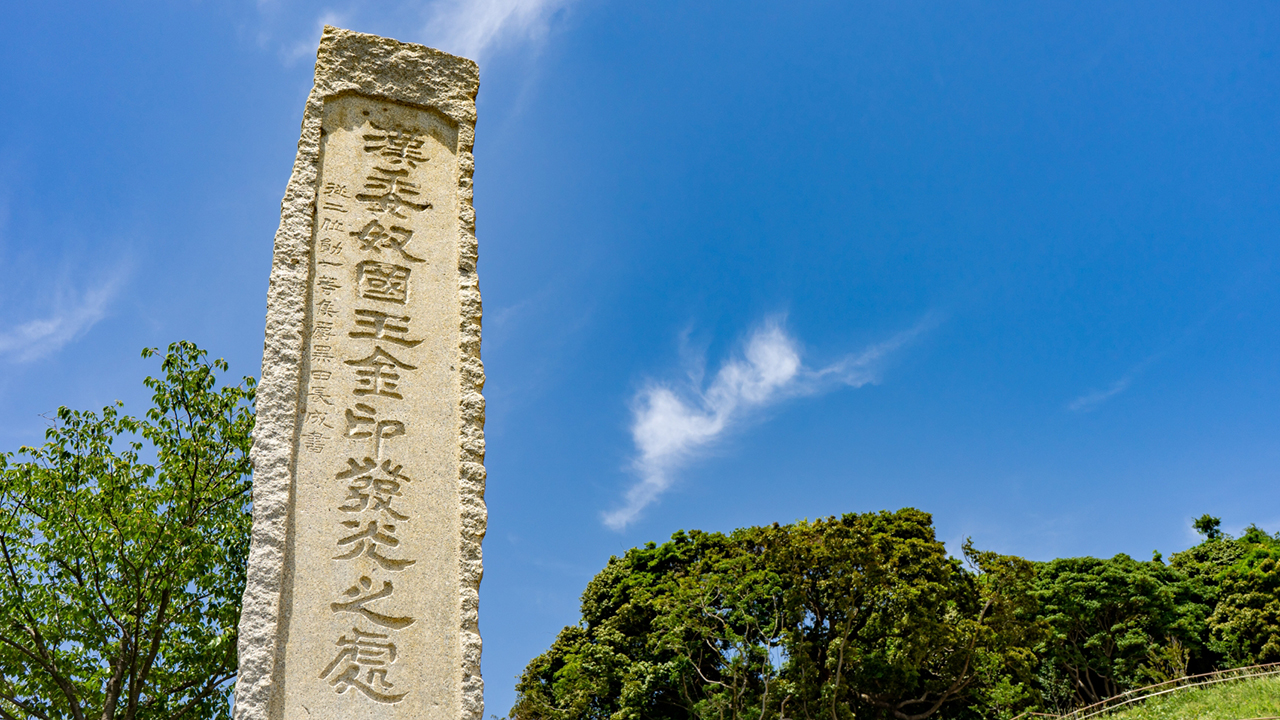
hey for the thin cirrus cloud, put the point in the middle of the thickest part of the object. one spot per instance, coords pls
(671, 425)
(72, 316)
(1093, 399)
(474, 28)
(470, 28)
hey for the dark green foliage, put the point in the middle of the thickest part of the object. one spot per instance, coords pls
(866, 616)
(863, 616)
(1245, 626)
(1240, 579)
(1106, 617)
(122, 578)
(1208, 526)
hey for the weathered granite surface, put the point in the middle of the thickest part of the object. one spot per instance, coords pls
(368, 454)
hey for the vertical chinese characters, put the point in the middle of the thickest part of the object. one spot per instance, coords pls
(362, 349)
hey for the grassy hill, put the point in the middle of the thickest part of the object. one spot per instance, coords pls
(1233, 701)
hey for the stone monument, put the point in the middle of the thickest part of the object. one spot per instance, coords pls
(368, 493)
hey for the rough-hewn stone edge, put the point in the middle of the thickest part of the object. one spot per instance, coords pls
(416, 75)
(473, 516)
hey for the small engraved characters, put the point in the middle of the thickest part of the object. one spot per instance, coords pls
(327, 284)
(319, 393)
(363, 658)
(313, 441)
(322, 330)
(334, 194)
(330, 252)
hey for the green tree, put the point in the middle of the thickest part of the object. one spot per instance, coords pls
(1208, 526)
(122, 578)
(1240, 580)
(862, 616)
(1245, 625)
(1006, 660)
(884, 623)
(1108, 619)
(619, 661)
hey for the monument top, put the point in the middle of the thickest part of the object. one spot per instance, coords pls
(364, 569)
(350, 61)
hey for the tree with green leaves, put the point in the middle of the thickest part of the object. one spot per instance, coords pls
(861, 616)
(1108, 619)
(123, 545)
(1245, 626)
(1208, 526)
(1240, 579)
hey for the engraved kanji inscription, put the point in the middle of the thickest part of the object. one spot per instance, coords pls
(362, 422)
(329, 252)
(382, 281)
(361, 663)
(313, 441)
(388, 190)
(379, 374)
(395, 145)
(319, 393)
(368, 492)
(334, 197)
(367, 541)
(327, 284)
(376, 237)
(361, 595)
(378, 325)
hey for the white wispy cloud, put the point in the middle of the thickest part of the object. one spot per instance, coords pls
(671, 424)
(474, 28)
(305, 47)
(1094, 398)
(73, 313)
(471, 28)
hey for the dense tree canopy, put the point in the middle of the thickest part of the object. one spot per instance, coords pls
(123, 544)
(866, 616)
(1106, 616)
(851, 617)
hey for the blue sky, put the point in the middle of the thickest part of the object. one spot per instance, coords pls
(1014, 264)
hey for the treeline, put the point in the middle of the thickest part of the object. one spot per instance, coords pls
(867, 616)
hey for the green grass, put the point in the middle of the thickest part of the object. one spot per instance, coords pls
(1229, 701)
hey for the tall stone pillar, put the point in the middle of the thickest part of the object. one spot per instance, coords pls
(368, 453)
